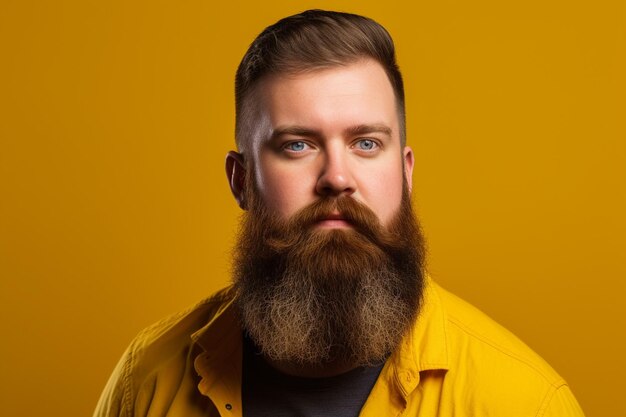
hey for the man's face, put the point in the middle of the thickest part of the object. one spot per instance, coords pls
(330, 132)
(328, 262)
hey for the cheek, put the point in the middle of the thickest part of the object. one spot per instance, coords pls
(282, 192)
(382, 192)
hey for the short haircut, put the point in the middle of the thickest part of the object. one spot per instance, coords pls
(309, 41)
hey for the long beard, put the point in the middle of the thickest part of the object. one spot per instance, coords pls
(312, 296)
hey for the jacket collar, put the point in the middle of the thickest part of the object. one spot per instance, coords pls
(424, 348)
(219, 365)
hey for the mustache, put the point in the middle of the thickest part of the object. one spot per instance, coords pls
(360, 217)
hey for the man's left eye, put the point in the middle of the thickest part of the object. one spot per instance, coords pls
(366, 144)
(297, 146)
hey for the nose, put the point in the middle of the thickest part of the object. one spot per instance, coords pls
(335, 178)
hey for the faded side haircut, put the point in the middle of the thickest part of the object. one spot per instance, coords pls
(312, 40)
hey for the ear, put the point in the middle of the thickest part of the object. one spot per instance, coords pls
(409, 160)
(236, 174)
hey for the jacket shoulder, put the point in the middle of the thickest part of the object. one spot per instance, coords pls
(482, 336)
(161, 348)
(494, 366)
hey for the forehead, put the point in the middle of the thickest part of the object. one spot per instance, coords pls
(329, 100)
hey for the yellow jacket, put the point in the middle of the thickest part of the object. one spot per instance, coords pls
(455, 361)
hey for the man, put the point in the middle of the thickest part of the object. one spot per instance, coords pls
(331, 312)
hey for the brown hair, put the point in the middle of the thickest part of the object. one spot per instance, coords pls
(311, 40)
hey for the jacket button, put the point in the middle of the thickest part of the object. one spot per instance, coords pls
(229, 407)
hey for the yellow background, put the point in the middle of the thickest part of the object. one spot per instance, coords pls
(115, 117)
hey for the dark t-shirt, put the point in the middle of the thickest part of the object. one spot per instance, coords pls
(267, 392)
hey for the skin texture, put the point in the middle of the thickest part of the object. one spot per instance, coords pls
(332, 131)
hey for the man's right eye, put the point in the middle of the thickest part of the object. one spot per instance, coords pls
(298, 146)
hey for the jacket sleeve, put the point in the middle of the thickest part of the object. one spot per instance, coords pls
(563, 404)
(115, 400)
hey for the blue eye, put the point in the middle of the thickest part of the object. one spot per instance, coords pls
(366, 144)
(296, 146)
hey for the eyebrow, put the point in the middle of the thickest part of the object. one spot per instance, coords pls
(356, 130)
(295, 131)
(371, 128)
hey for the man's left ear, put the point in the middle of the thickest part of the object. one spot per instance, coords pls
(407, 155)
